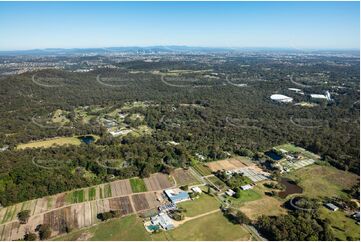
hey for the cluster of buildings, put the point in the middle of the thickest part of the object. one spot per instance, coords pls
(285, 99)
(113, 126)
(162, 220)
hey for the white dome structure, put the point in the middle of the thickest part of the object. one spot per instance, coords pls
(281, 98)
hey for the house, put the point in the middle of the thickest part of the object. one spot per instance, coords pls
(162, 220)
(196, 189)
(331, 206)
(176, 195)
(230, 192)
(246, 187)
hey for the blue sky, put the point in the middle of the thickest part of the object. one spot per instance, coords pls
(29, 25)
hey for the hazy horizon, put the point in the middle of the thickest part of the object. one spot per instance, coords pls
(70, 25)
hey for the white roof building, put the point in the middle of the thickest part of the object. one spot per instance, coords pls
(230, 192)
(281, 98)
(196, 189)
(163, 220)
(294, 89)
(318, 96)
(246, 187)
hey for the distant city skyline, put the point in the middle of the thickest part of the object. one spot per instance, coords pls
(294, 25)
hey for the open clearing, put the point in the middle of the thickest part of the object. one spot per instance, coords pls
(320, 181)
(229, 164)
(246, 196)
(59, 141)
(50, 142)
(342, 226)
(130, 228)
(267, 206)
(211, 227)
(203, 204)
(184, 177)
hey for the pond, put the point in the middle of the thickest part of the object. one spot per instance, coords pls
(291, 188)
(273, 155)
(87, 139)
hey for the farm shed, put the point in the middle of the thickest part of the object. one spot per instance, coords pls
(176, 195)
(331, 206)
(246, 187)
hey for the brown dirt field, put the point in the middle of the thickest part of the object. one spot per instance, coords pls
(94, 211)
(2, 213)
(184, 177)
(77, 216)
(265, 206)
(237, 163)
(157, 181)
(41, 205)
(59, 219)
(6, 233)
(60, 200)
(140, 202)
(78, 212)
(29, 205)
(152, 200)
(120, 188)
(122, 204)
(227, 164)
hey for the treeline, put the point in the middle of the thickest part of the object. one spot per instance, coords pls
(295, 226)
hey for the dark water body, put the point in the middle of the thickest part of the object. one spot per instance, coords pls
(291, 188)
(273, 155)
(87, 139)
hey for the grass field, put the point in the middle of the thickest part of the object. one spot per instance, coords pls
(107, 191)
(267, 206)
(342, 226)
(320, 181)
(127, 228)
(92, 193)
(246, 196)
(211, 227)
(202, 169)
(75, 196)
(137, 185)
(203, 204)
(293, 148)
(50, 142)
